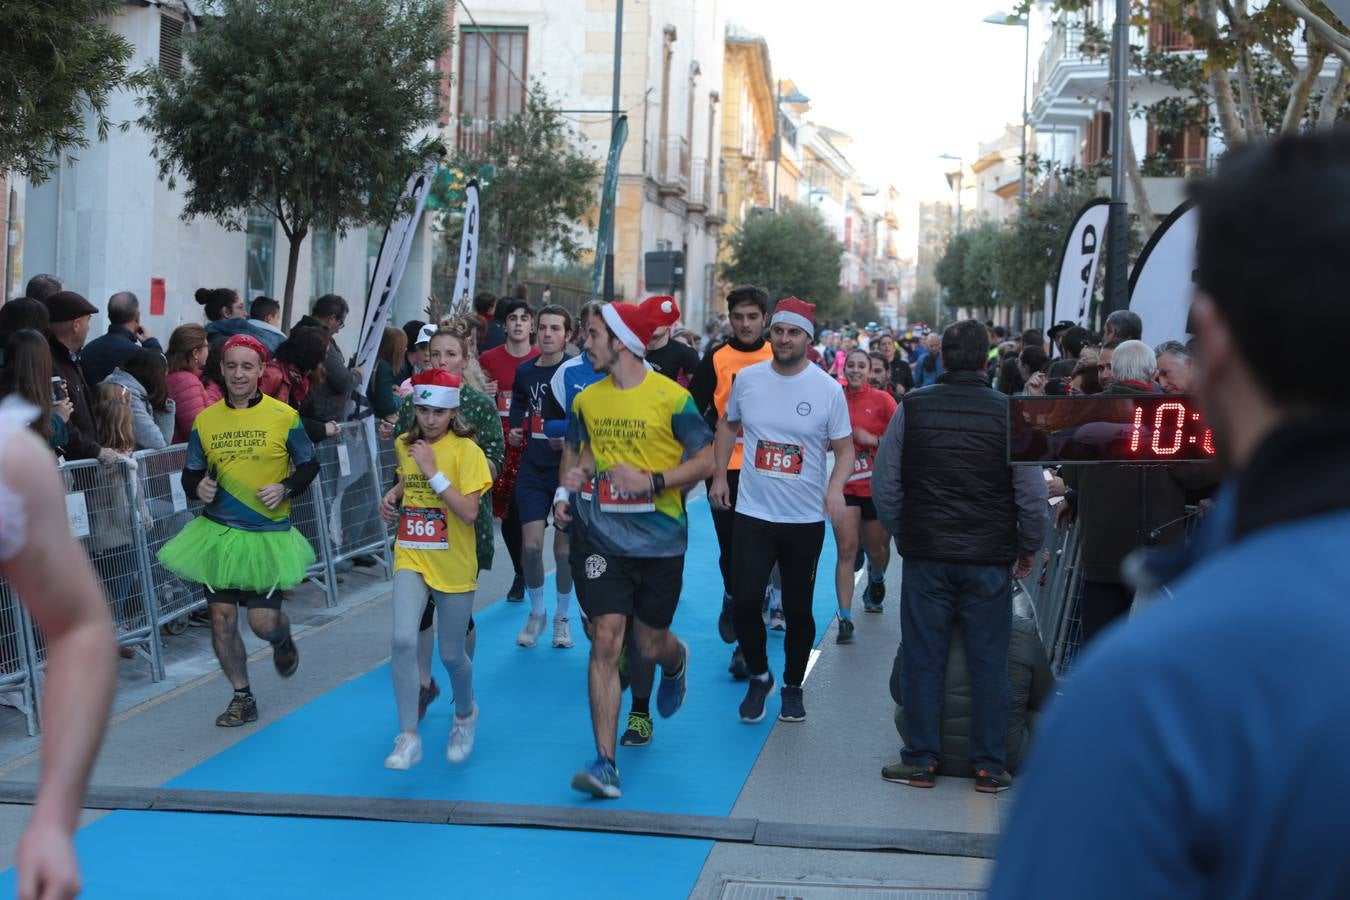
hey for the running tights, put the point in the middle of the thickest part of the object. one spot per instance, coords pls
(410, 597)
(796, 549)
(513, 538)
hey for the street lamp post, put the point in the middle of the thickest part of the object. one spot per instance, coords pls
(795, 97)
(1023, 22)
(1118, 236)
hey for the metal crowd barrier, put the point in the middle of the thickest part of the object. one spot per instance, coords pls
(1055, 588)
(124, 514)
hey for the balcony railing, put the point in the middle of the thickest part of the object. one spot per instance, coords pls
(1065, 45)
(1157, 166)
(700, 185)
(674, 165)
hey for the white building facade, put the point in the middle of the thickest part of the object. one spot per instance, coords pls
(105, 222)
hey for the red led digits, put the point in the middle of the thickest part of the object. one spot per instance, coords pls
(1158, 416)
(1138, 429)
(1207, 442)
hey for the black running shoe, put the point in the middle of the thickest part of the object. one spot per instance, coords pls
(756, 693)
(286, 657)
(845, 635)
(242, 710)
(425, 697)
(639, 733)
(793, 709)
(517, 592)
(738, 669)
(873, 596)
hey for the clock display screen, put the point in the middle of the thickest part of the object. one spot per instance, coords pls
(1117, 428)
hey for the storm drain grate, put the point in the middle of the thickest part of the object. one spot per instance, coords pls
(771, 890)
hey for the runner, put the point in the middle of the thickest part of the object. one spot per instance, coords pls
(633, 431)
(791, 413)
(748, 309)
(448, 349)
(869, 412)
(243, 548)
(674, 359)
(538, 425)
(47, 568)
(499, 367)
(661, 312)
(441, 477)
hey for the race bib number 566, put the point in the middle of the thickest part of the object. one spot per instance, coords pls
(420, 528)
(778, 460)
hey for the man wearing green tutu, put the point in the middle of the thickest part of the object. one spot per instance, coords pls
(243, 549)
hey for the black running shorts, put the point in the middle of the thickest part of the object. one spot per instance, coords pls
(869, 509)
(647, 588)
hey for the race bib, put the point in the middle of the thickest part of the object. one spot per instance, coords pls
(613, 500)
(422, 528)
(862, 466)
(534, 425)
(778, 460)
(503, 403)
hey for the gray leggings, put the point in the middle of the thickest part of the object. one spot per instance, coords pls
(410, 598)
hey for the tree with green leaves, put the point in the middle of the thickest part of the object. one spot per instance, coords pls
(923, 307)
(58, 61)
(537, 185)
(315, 111)
(790, 252)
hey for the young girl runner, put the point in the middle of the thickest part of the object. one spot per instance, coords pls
(441, 477)
(869, 411)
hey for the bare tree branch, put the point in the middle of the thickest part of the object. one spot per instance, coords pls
(1301, 91)
(1222, 85)
(1339, 41)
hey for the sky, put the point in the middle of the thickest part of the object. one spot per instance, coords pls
(909, 80)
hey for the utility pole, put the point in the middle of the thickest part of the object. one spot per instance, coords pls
(614, 123)
(1117, 248)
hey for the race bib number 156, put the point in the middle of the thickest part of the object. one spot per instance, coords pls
(778, 460)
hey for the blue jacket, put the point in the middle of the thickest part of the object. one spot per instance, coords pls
(103, 354)
(922, 376)
(224, 329)
(1198, 749)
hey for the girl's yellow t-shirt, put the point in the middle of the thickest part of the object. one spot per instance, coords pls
(431, 540)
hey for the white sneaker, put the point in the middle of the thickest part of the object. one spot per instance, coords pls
(562, 634)
(776, 620)
(534, 626)
(461, 737)
(407, 752)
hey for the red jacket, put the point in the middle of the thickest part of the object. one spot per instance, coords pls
(284, 382)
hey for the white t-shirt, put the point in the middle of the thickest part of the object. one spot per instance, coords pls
(789, 423)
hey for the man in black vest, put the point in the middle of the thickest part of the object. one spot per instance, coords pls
(963, 519)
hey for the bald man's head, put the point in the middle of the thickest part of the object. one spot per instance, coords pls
(123, 308)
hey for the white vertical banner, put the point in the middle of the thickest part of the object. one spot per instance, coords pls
(1162, 283)
(466, 275)
(1078, 264)
(393, 259)
(1048, 316)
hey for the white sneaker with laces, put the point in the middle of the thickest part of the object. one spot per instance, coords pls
(534, 626)
(407, 752)
(562, 634)
(461, 737)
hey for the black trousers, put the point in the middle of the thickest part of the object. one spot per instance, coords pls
(756, 546)
(724, 521)
(1102, 604)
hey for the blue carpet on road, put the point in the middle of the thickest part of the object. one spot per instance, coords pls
(533, 733)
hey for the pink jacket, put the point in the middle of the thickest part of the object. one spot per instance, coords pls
(190, 397)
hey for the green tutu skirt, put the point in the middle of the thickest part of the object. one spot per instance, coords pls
(218, 556)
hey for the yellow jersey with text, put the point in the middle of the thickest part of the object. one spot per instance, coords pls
(431, 540)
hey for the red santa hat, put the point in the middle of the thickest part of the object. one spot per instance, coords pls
(436, 387)
(661, 311)
(791, 311)
(631, 324)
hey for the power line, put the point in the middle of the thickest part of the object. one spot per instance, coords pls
(482, 35)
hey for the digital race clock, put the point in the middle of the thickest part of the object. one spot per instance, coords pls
(1107, 428)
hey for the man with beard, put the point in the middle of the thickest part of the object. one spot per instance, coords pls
(1195, 751)
(792, 413)
(639, 441)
